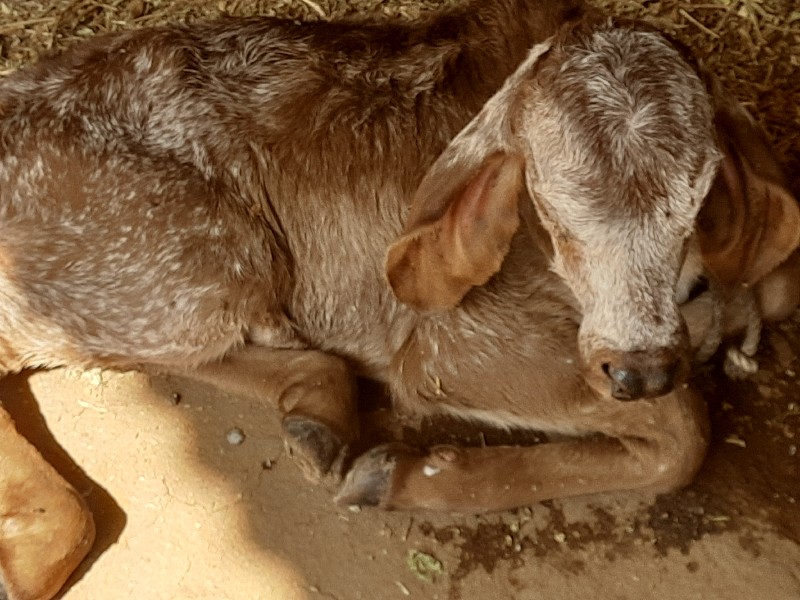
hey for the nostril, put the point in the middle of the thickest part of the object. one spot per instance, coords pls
(636, 375)
(626, 384)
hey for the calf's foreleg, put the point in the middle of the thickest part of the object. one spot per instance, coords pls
(653, 444)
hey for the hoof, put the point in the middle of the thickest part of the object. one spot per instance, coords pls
(369, 480)
(739, 366)
(314, 446)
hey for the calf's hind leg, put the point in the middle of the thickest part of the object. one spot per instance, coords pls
(315, 393)
(46, 528)
(647, 444)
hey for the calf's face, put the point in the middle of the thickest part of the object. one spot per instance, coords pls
(609, 132)
(622, 147)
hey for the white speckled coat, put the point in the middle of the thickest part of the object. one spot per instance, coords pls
(484, 209)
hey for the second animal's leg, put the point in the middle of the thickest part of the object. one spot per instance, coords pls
(703, 316)
(744, 314)
(315, 393)
(46, 528)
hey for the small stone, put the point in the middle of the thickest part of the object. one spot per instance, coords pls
(235, 436)
(560, 537)
(175, 399)
(136, 9)
(430, 470)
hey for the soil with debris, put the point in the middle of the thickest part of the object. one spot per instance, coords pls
(184, 512)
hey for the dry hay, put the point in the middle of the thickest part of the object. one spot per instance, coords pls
(752, 45)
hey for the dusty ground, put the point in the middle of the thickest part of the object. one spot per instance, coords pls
(183, 514)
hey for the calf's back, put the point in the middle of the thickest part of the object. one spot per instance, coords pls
(165, 194)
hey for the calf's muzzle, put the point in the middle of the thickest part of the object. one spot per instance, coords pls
(641, 374)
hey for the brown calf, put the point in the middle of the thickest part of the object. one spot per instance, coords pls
(247, 188)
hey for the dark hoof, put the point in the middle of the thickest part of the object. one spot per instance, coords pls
(315, 448)
(369, 480)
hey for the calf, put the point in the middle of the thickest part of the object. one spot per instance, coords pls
(487, 209)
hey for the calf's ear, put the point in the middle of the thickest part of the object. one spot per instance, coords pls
(441, 256)
(750, 221)
(466, 209)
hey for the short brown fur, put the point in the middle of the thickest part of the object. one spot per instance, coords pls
(220, 199)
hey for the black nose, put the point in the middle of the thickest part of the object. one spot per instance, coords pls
(630, 383)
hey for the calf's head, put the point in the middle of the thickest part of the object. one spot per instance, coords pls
(610, 133)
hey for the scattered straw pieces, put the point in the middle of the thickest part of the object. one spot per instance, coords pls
(403, 589)
(735, 440)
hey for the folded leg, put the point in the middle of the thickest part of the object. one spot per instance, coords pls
(315, 393)
(46, 528)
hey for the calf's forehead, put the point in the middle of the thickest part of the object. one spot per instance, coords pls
(618, 125)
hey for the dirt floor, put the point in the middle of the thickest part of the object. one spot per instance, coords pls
(183, 513)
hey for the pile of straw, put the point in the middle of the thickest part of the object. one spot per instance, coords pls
(752, 45)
